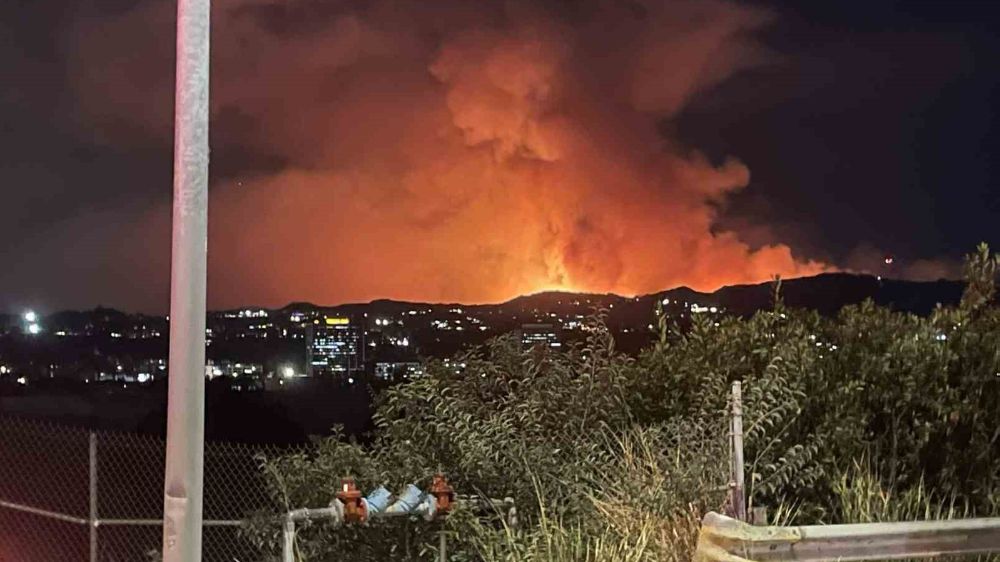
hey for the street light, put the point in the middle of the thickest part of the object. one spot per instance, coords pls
(30, 317)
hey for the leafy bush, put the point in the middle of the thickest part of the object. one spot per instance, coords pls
(610, 457)
(915, 395)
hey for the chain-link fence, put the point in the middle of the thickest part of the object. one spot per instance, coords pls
(68, 494)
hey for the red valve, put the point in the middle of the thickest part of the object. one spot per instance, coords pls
(443, 494)
(354, 509)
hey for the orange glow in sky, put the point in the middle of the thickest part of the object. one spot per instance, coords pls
(448, 154)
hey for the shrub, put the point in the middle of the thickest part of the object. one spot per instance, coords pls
(610, 457)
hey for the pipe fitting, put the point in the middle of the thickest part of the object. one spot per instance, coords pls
(407, 502)
(377, 501)
(355, 510)
(443, 493)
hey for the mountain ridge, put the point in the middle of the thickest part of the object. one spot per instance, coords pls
(826, 292)
(801, 292)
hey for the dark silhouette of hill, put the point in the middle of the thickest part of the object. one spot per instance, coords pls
(826, 293)
(830, 292)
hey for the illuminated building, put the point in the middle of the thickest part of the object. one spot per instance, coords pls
(540, 334)
(334, 346)
(225, 368)
(395, 370)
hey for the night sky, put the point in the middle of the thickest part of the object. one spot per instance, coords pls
(473, 151)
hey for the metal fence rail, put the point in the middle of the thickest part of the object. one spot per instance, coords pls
(723, 539)
(68, 494)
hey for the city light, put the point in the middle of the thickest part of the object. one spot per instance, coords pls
(34, 329)
(287, 372)
(30, 317)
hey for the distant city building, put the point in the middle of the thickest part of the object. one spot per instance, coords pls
(225, 368)
(334, 346)
(151, 369)
(395, 370)
(547, 335)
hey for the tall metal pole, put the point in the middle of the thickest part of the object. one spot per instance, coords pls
(182, 497)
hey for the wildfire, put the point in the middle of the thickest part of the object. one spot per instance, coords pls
(462, 154)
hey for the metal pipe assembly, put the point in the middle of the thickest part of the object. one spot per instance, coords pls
(377, 501)
(333, 513)
(413, 501)
(505, 508)
(350, 507)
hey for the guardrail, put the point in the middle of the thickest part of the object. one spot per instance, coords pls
(723, 539)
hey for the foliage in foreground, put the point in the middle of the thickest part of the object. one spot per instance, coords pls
(870, 415)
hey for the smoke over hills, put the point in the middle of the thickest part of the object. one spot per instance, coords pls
(448, 151)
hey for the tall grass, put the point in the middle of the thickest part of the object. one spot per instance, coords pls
(645, 505)
(645, 522)
(614, 532)
(865, 497)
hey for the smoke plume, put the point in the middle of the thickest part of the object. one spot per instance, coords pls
(449, 150)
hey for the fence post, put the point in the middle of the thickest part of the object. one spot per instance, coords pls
(443, 554)
(92, 520)
(758, 516)
(739, 486)
(288, 540)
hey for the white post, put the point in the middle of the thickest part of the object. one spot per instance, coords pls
(288, 540)
(739, 486)
(182, 498)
